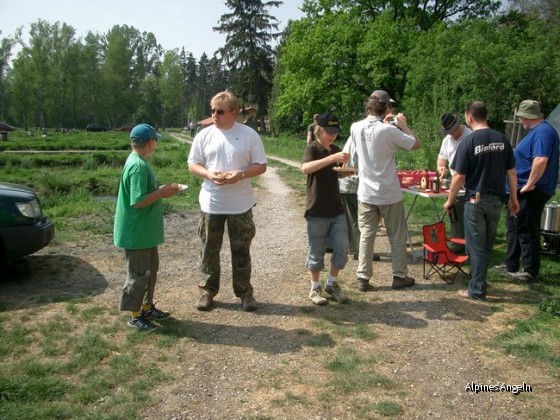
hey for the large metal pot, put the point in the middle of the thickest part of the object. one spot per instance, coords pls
(550, 219)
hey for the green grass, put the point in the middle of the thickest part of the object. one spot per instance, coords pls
(287, 147)
(353, 373)
(535, 339)
(78, 190)
(72, 140)
(55, 369)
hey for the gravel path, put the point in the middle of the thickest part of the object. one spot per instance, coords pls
(429, 343)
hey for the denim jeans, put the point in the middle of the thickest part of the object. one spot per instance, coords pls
(481, 222)
(524, 233)
(457, 229)
(321, 230)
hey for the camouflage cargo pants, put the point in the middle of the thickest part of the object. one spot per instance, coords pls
(241, 231)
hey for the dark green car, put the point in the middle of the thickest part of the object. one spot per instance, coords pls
(24, 229)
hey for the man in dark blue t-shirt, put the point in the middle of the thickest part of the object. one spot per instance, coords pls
(483, 162)
(536, 164)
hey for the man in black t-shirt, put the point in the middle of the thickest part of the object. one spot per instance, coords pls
(483, 163)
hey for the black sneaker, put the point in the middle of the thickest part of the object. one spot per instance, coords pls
(402, 282)
(141, 324)
(155, 314)
(362, 284)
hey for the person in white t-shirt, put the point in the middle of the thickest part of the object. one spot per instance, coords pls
(377, 141)
(226, 155)
(454, 133)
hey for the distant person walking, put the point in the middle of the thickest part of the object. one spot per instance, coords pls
(311, 129)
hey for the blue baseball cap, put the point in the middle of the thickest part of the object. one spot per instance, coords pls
(143, 133)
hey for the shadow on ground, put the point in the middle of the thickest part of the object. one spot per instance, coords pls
(260, 338)
(41, 279)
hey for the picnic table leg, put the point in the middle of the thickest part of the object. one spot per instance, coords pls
(408, 231)
(435, 209)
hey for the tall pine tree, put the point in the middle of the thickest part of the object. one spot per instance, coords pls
(247, 52)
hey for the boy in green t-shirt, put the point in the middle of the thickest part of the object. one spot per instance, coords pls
(139, 228)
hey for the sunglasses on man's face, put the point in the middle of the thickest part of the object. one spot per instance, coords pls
(218, 111)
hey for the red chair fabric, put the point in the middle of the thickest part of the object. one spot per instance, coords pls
(437, 255)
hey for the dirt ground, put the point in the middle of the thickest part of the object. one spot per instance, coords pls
(428, 344)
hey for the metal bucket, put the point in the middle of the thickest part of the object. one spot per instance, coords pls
(550, 219)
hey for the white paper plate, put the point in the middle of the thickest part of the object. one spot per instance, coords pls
(182, 187)
(347, 169)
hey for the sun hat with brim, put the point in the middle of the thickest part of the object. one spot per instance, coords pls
(449, 123)
(529, 109)
(329, 122)
(143, 133)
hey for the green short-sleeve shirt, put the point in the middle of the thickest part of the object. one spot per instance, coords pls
(137, 228)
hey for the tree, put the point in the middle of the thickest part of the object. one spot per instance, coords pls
(171, 85)
(130, 57)
(6, 45)
(116, 94)
(50, 65)
(548, 10)
(218, 76)
(91, 97)
(23, 93)
(501, 62)
(247, 52)
(192, 106)
(425, 13)
(150, 104)
(319, 72)
(204, 88)
(327, 62)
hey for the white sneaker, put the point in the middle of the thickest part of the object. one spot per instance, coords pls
(316, 296)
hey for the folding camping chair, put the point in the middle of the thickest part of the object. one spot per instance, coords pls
(437, 255)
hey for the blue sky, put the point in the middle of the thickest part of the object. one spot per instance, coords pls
(175, 23)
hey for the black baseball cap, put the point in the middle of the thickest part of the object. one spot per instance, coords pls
(329, 122)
